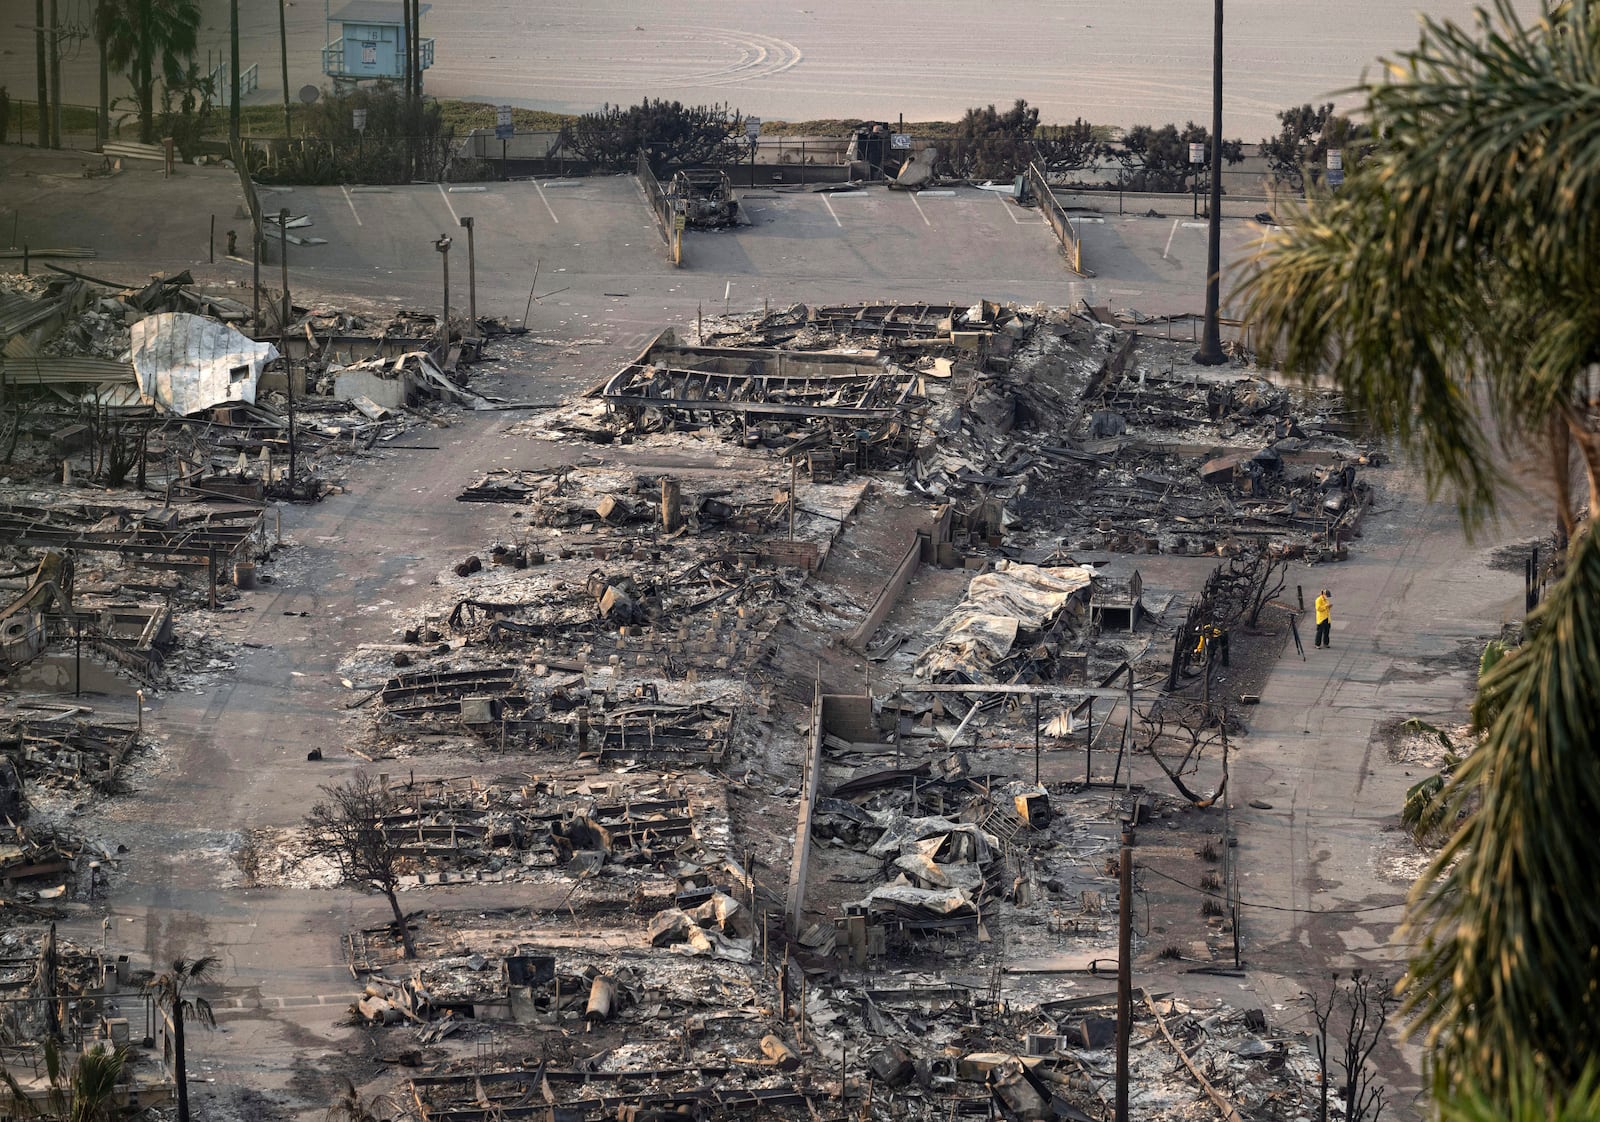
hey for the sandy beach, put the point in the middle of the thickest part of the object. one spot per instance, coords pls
(1133, 62)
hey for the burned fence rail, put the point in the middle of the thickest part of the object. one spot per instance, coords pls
(695, 734)
(548, 1093)
(413, 696)
(909, 320)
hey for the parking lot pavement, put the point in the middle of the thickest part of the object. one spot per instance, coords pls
(591, 233)
(602, 266)
(952, 244)
(1156, 264)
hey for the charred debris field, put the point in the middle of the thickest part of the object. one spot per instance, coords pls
(784, 722)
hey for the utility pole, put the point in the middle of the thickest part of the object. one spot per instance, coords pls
(472, 280)
(405, 19)
(233, 71)
(416, 49)
(1210, 352)
(410, 87)
(283, 48)
(55, 76)
(1124, 968)
(103, 117)
(42, 69)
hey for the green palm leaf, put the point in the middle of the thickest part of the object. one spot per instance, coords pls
(1450, 291)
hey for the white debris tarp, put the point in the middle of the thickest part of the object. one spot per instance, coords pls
(909, 835)
(929, 901)
(186, 363)
(983, 627)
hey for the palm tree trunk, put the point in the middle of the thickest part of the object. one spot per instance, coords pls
(147, 102)
(180, 1072)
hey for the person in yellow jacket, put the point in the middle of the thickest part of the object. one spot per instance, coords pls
(1324, 618)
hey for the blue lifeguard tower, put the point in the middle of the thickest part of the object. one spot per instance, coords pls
(369, 44)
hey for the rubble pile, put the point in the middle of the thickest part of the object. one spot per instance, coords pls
(158, 383)
(1069, 431)
(96, 590)
(619, 702)
(615, 838)
(53, 762)
(155, 388)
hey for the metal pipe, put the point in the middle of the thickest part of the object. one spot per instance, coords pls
(1036, 740)
(472, 279)
(283, 256)
(1124, 969)
(443, 246)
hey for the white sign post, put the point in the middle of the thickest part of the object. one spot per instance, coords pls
(1197, 157)
(752, 129)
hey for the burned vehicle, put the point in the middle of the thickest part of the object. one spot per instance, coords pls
(706, 198)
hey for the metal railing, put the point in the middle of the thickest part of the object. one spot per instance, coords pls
(1056, 215)
(222, 82)
(668, 220)
(77, 125)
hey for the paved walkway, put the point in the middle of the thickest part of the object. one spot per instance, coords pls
(1316, 796)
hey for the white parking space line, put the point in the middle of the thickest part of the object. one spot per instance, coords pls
(920, 211)
(1008, 208)
(829, 205)
(352, 203)
(1170, 235)
(546, 202)
(446, 197)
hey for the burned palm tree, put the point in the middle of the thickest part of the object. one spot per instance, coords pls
(174, 991)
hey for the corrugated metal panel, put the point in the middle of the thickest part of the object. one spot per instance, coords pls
(65, 370)
(18, 313)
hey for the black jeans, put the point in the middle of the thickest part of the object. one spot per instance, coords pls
(1323, 639)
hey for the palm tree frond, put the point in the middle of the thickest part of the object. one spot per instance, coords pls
(1497, 916)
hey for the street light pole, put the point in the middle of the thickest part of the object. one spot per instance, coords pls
(1210, 352)
(443, 246)
(472, 278)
